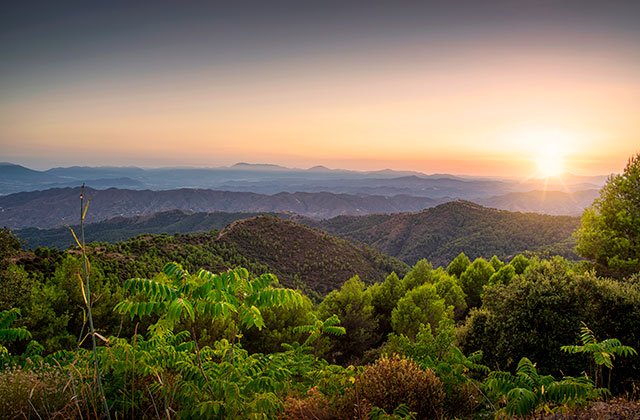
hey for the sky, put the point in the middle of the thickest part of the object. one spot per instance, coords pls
(506, 88)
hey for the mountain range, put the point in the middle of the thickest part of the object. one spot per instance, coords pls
(568, 195)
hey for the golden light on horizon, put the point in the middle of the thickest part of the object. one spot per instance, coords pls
(468, 104)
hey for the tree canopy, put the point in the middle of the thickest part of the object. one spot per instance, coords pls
(609, 234)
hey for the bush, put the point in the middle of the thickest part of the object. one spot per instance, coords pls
(315, 406)
(36, 393)
(393, 381)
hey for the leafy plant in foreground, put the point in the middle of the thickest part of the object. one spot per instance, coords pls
(527, 391)
(8, 333)
(603, 352)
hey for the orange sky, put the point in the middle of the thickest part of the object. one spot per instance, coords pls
(487, 104)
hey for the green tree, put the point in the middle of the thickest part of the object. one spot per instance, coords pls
(541, 310)
(384, 298)
(353, 305)
(496, 263)
(448, 288)
(519, 263)
(15, 286)
(420, 274)
(458, 265)
(503, 275)
(609, 234)
(421, 305)
(473, 280)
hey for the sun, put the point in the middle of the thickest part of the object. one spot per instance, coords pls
(549, 161)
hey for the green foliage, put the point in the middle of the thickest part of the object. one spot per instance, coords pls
(9, 333)
(281, 326)
(603, 352)
(182, 296)
(353, 305)
(541, 310)
(503, 276)
(496, 263)
(609, 234)
(421, 305)
(16, 286)
(384, 298)
(527, 391)
(223, 380)
(440, 354)
(458, 265)
(420, 274)
(402, 412)
(519, 263)
(474, 278)
(447, 287)
(55, 310)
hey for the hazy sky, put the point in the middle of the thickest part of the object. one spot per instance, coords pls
(477, 87)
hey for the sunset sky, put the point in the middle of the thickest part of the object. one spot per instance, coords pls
(477, 87)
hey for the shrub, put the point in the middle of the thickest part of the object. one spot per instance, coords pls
(36, 393)
(393, 381)
(315, 406)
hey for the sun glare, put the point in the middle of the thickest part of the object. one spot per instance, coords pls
(547, 149)
(550, 162)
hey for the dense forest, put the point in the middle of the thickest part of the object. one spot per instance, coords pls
(228, 324)
(442, 232)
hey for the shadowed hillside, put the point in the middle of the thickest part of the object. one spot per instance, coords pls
(300, 256)
(296, 252)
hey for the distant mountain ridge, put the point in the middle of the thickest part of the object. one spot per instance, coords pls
(272, 179)
(59, 207)
(549, 202)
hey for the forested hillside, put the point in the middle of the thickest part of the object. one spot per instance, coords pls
(440, 233)
(301, 257)
(319, 261)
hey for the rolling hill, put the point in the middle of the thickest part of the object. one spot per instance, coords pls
(440, 233)
(437, 234)
(297, 253)
(301, 257)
